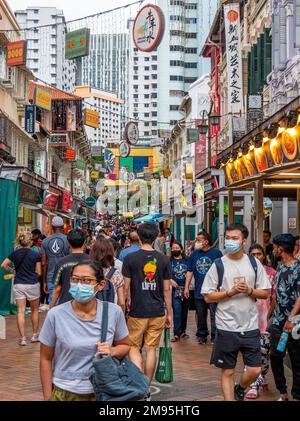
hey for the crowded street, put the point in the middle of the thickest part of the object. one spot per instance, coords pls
(149, 204)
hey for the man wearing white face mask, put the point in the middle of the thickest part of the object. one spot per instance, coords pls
(198, 266)
(234, 282)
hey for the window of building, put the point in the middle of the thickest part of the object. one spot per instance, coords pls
(191, 6)
(147, 58)
(176, 33)
(191, 50)
(190, 20)
(154, 76)
(154, 95)
(154, 104)
(190, 79)
(174, 107)
(176, 63)
(177, 48)
(154, 58)
(176, 93)
(154, 123)
(135, 86)
(190, 65)
(176, 18)
(147, 133)
(154, 85)
(146, 114)
(147, 105)
(147, 68)
(173, 122)
(154, 132)
(146, 96)
(135, 78)
(136, 68)
(176, 78)
(146, 86)
(146, 77)
(36, 12)
(135, 95)
(154, 67)
(154, 113)
(135, 59)
(191, 35)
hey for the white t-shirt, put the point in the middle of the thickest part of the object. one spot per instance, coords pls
(239, 313)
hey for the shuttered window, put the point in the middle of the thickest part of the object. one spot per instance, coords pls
(297, 23)
(260, 63)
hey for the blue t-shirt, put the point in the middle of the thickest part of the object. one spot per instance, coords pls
(128, 250)
(200, 263)
(25, 261)
(179, 270)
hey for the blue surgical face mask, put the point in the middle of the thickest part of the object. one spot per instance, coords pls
(82, 293)
(232, 246)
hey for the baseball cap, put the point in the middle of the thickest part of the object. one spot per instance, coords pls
(57, 222)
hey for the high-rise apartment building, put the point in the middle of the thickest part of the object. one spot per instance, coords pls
(109, 107)
(46, 46)
(187, 24)
(106, 66)
(159, 80)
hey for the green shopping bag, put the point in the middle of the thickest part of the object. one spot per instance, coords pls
(164, 371)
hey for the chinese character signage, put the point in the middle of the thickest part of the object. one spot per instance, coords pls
(70, 154)
(71, 118)
(148, 28)
(51, 199)
(91, 118)
(66, 201)
(234, 57)
(30, 119)
(124, 150)
(42, 99)
(132, 133)
(192, 136)
(77, 43)
(16, 53)
(60, 140)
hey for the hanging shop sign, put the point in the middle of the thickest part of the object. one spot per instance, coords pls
(42, 99)
(30, 117)
(132, 133)
(71, 118)
(255, 114)
(77, 43)
(109, 160)
(94, 175)
(70, 154)
(189, 171)
(192, 136)
(30, 194)
(148, 28)
(80, 164)
(234, 57)
(66, 201)
(90, 201)
(59, 140)
(50, 199)
(284, 149)
(96, 150)
(124, 150)
(91, 118)
(16, 53)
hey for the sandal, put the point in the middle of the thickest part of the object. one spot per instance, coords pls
(175, 339)
(252, 394)
(185, 336)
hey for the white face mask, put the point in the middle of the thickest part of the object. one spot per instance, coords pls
(198, 246)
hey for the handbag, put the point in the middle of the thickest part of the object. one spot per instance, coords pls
(116, 379)
(164, 371)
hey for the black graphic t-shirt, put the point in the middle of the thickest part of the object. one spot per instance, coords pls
(63, 272)
(147, 271)
(55, 247)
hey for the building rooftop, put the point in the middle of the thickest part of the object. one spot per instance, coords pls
(55, 93)
(88, 92)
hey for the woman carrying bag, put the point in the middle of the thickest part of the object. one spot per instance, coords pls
(70, 338)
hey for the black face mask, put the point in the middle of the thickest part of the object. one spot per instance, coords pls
(176, 253)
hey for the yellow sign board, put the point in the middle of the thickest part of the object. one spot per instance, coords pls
(91, 118)
(42, 99)
(94, 175)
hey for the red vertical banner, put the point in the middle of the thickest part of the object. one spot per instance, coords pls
(66, 201)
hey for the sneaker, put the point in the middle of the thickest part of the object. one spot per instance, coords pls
(238, 395)
(202, 341)
(283, 398)
(35, 338)
(147, 397)
(22, 341)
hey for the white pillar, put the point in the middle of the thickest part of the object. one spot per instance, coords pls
(248, 217)
(285, 215)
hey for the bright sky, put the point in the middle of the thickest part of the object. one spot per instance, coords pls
(73, 9)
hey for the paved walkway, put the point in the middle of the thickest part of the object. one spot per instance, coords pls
(194, 378)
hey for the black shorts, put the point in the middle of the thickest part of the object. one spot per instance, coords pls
(228, 344)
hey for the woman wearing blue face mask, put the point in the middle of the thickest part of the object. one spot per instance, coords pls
(70, 337)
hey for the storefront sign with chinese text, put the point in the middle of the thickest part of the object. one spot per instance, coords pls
(77, 43)
(42, 99)
(148, 28)
(66, 201)
(30, 118)
(70, 154)
(234, 57)
(30, 194)
(91, 118)
(16, 53)
(132, 133)
(59, 140)
(51, 199)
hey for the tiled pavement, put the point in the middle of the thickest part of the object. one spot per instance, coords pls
(194, 378)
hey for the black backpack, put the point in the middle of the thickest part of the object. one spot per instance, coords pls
(108, 292)
(220, 270)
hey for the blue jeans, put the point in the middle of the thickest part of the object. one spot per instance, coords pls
(180, 314)
(202, 309)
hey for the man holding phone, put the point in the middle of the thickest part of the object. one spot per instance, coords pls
(234, 282)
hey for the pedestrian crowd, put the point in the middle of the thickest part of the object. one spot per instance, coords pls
(150, 283)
